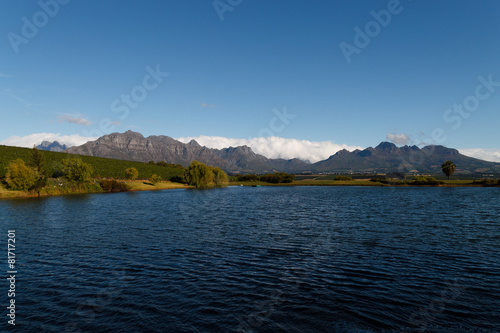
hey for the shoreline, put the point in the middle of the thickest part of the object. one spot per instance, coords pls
(363, 183)
(145, 185)
(136, 186)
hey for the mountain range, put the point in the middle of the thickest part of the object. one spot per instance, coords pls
(52, 146)
(386, 157)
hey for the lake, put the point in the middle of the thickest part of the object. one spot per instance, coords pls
(267, 259)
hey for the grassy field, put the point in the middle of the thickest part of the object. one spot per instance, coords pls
(103, 167)
(144, 185)
(5, 194)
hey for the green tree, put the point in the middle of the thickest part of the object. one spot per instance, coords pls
(77, 170)
(198, 175)
(220, 177)
(20, 176)
(131, 173)
(37, 161)
(155, 179)
(342, 177)
(277, 178)
(448, 168)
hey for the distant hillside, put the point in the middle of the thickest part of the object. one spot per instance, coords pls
(387, 157)
(135, 147)
(103, 167)
(52, 146)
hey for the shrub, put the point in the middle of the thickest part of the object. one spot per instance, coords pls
(155, 179)
(346, 178)
(178, 179)
(487, 182)
(379, 179)
(20, 176)
(77, 170)
(200, 175)
(112, 185)
(277, 178)
(169, 165)
(424, 180)
(396, 175)
(131, 173)
(248, 178)
(220, 177)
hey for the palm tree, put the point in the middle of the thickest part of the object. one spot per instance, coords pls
(448, 168)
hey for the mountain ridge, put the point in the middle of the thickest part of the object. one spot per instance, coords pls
(385, 157)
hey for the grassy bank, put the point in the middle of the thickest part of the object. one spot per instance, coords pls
(145, 185)
(57, 187)
(7, 194)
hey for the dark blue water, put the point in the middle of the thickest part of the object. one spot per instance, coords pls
(269, 259)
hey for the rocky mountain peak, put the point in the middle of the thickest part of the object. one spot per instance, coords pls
(52, 146)
(194, 143)
(386, 146)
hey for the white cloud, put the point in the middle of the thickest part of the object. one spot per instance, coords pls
(35, 139)
(276, 147)
(74, 120)
(492, 154)
(398, 139)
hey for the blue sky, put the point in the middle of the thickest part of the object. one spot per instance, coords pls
(245, 69)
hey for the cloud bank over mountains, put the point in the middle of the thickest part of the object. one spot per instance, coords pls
(492, 155)
(276, 147)
(35, 139)
(270, 147)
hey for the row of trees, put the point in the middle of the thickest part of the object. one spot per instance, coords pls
(275, 178)
(165, 164)
(33, 174)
